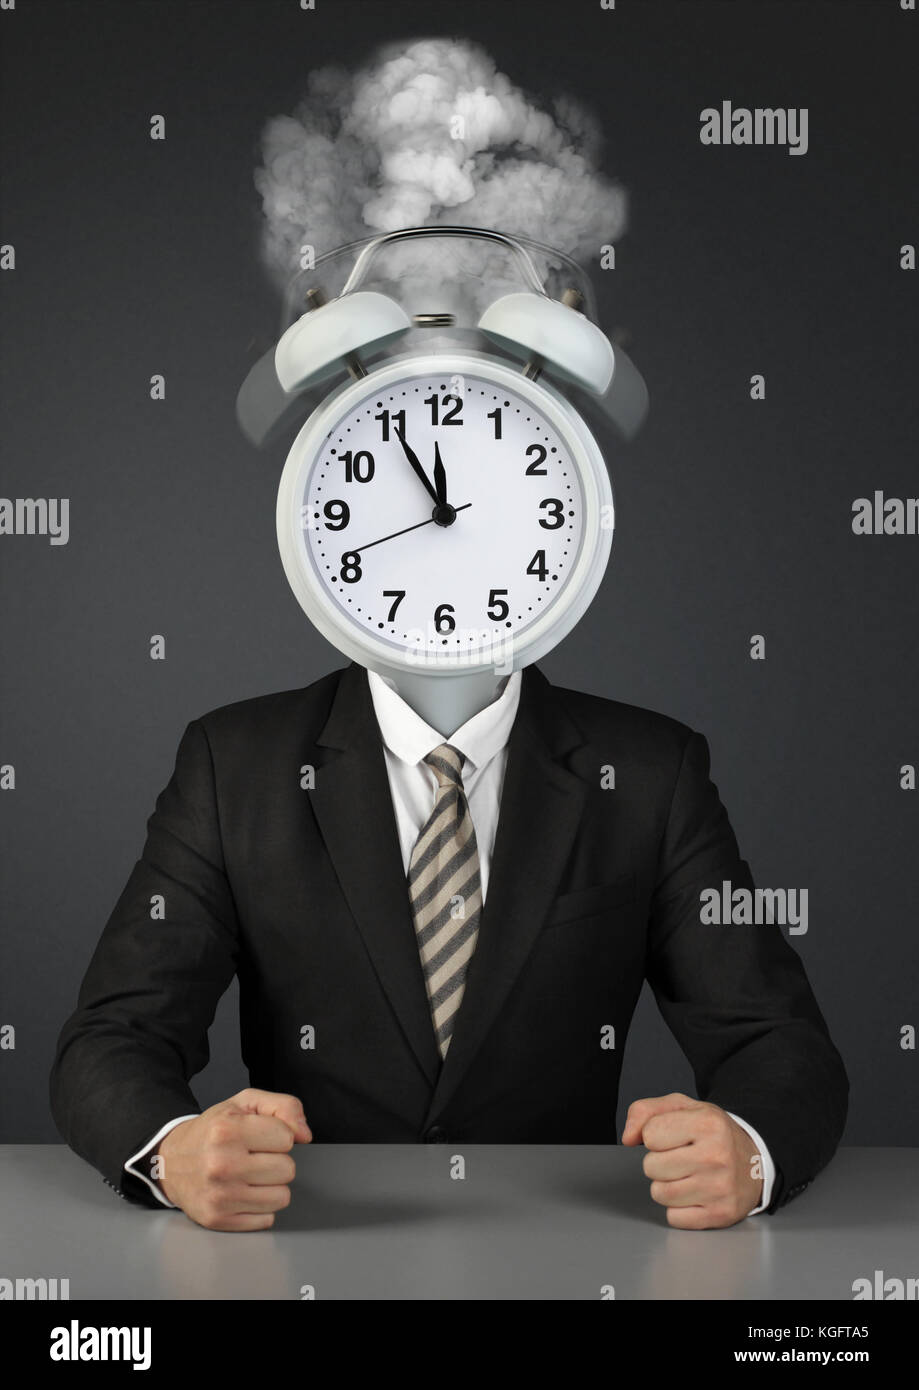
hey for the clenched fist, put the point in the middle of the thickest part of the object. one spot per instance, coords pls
(705, 1168)
(229, 1168)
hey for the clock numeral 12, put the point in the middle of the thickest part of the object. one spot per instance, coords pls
(455, 409)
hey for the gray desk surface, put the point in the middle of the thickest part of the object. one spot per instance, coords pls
(527, 1222)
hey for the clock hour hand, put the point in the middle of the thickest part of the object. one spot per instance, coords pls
(416, 464)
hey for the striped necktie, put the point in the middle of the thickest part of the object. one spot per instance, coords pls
(445, 892)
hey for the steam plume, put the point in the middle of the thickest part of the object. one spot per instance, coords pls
(431, 134)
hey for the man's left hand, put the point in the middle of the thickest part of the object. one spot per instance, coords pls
(704, 1168)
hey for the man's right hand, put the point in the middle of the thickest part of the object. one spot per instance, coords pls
(229, 1168)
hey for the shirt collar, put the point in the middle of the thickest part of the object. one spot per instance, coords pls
(411, 738)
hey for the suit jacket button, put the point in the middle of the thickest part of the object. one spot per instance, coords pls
(436, 1135)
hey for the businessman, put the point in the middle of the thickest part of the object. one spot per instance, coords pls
(441, 939)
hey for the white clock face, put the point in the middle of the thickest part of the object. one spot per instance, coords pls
(444, 514)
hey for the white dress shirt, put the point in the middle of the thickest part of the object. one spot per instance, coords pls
(482, 740)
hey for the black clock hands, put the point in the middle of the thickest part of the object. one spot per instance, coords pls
(356, 549)
(440, 478)
(416, 464)
(443, 514)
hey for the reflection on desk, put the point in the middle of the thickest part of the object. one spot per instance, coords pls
(391, 1221)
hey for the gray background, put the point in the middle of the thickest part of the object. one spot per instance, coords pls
(733, 518)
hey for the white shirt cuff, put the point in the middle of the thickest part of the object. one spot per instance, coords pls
(768, 1165)
(160, 1134)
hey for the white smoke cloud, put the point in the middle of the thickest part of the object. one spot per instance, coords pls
(377, 150)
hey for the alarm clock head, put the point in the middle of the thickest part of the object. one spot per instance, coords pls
(444, 517)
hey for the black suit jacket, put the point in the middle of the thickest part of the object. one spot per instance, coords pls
(301, 893)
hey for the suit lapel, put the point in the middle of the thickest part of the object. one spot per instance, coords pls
(541, 805)
(353, 806)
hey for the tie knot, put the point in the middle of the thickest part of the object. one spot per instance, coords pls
(446, 762)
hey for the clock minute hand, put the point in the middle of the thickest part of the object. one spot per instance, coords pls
(416, 464)
(440, 477)
(356, 550)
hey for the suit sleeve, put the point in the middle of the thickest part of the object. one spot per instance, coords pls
(168, 952)
(736, 997)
